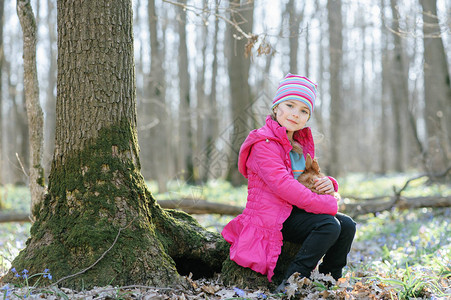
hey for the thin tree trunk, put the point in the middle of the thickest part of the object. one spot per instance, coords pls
(335, 82)
(34, 111)
(240, 93)
(294, 22)
(400, 93)
(50, 103)
(185, 109)
(320, 107)
(2, 167)
(212, 126)
(437, 90)
(157, 108)
(383, 96)
(202, 110)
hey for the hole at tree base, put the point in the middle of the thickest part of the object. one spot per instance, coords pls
(199, 269)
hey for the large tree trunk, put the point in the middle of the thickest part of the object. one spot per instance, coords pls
(437, 90)
(97, 198)
(34, 111)
(240, 94)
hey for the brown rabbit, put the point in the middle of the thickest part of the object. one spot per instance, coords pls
(311, 172)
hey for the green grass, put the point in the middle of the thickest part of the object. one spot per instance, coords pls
(410, 251)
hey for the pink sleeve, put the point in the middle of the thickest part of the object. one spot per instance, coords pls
(266, 161)
(334, 182)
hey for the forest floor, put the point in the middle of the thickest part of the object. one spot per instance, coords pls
(395, 255)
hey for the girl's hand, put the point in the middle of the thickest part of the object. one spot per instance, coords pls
(324, 185)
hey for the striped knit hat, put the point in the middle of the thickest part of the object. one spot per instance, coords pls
(295, 87)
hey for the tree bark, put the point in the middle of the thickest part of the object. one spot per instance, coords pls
(399, 91)
(156, 162)
(240, 93)
(335, 82)
(383, 96)
(212, 122)
(34, 111)
(97, 197)
(186, 139)
(202, 110)
(437, 90)
(50, 103)
(294, 22)
(2, 9)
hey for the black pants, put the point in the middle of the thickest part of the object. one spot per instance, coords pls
(320, 235)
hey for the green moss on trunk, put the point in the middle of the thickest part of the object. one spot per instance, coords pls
(92, 194)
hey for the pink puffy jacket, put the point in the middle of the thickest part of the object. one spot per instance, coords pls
(255, 235)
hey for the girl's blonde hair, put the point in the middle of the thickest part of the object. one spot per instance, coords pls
(296, 146)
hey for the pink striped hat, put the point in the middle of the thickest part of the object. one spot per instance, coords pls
(295, 87)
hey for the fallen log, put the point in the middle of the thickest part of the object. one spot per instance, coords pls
(14, 217)
(200, 206)
(366, 207)
(188, 205)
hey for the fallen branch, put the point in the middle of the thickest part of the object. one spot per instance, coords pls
(15, 217)
(200, 206)
(361, 208)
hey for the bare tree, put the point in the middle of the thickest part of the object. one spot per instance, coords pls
(156, 130)
(185, 151)
(212, 126)
(437, 90)
(50, 103)
(399, 90)
(2, 167)
(383, 96)
(335, 83)
(240, 94)
(294, 21)
(34, 111)
(201, 102)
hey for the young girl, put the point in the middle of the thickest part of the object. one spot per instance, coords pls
(280, 208)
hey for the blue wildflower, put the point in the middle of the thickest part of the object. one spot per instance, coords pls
(50, 277)
(13, 270)
(239, 292)
(25, 271)
(261, 296)
(17, 275)
(46, 271)
(25, 276)
(6, 292)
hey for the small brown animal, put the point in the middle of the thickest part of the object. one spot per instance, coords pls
(311, 172)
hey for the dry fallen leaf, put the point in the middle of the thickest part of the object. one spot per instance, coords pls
(209, 289)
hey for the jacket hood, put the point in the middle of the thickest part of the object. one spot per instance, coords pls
(273, 131)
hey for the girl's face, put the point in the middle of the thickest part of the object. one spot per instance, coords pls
(293, 115)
